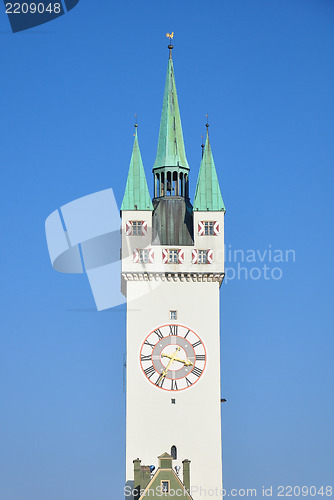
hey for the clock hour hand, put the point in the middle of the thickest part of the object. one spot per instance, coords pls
(186, 362)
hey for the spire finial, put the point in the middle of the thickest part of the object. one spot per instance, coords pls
(135, 125)
(207, 124)
(170, 46)
(202, 146)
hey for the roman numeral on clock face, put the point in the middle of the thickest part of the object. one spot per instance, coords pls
(200, 357)
(197, 371)
(188, 382)
(158, 333)
(196, 343)
(173, 329)
(148, 343)
(149, 371)
(160, 381)
(173, 385)
(145, 357)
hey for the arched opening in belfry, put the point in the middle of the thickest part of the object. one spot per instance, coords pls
(186, 186)
(169, 183)
(181, 191)
(173, 452)
(162, 184)
(175, 190)
(157, 186)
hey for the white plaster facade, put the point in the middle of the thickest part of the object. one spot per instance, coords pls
(153, 423)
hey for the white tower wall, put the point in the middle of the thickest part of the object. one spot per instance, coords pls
(193, 423)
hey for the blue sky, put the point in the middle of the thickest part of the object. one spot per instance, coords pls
(263, 71)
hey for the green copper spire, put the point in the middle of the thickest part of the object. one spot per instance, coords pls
(171, 152)
(136, 196)
(208, 195)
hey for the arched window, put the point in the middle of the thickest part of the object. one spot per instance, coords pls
(173, 452)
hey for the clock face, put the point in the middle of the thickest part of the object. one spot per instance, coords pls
(173, 357)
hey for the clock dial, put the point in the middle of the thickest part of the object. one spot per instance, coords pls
(173, 357)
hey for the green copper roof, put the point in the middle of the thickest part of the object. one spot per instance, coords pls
(171, 150)
(208, 195)
(136, 196)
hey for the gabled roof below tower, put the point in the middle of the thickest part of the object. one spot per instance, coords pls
(136, 196)
(208, 195)
(176, 487)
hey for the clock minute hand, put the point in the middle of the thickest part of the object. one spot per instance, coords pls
(171, 360)
(165, 371)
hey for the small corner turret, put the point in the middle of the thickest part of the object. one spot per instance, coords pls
(136, 211)
(136, 196)
(208, 196)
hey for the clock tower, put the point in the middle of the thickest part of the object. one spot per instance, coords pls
(172, 269)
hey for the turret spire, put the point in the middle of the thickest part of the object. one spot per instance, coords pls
(208, 195)
(171, 151)
(136, 196)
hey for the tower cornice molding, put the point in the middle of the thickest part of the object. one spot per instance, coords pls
(183, 277)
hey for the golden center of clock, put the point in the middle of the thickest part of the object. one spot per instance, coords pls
(174, 356)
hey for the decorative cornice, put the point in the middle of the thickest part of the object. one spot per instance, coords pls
(195, 277)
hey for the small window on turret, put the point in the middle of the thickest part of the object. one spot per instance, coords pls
(208, 228)
(137, 227)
